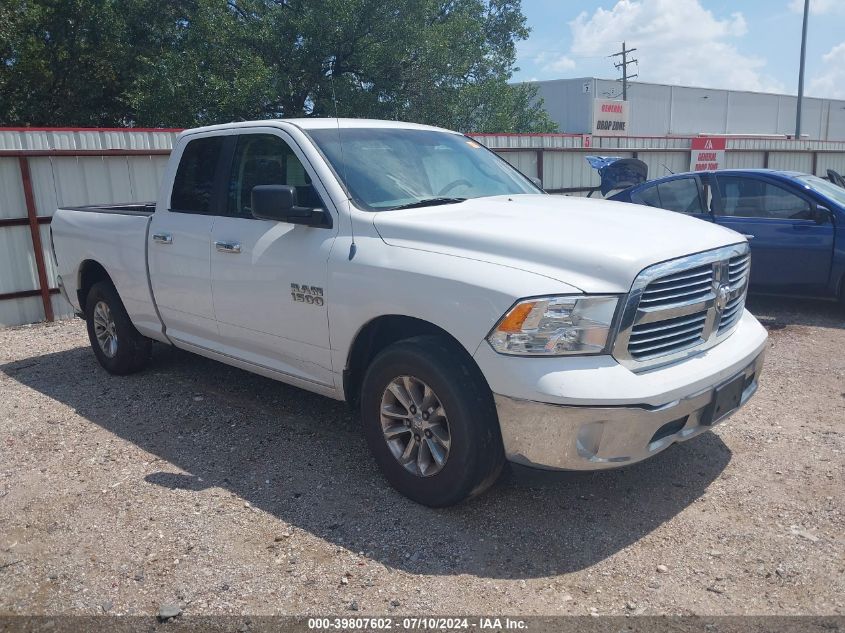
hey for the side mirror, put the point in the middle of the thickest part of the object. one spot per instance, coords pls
(822, 215)
(279, 203)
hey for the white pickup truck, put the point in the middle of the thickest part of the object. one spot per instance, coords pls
(410, 271)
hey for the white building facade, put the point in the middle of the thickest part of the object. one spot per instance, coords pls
(663, 110)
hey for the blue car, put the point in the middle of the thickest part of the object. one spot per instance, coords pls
(794, 222)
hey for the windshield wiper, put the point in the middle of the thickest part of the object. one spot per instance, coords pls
(428, 202)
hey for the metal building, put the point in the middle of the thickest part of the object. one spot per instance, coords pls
(663, 110)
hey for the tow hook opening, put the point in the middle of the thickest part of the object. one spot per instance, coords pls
(670, 428)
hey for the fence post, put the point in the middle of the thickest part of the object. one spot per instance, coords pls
(32, 215)
(540, 153)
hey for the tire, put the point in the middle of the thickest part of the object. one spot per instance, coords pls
(842, 292)
(474, 457)
(130, 351)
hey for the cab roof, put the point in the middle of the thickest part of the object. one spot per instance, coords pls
(739, 171)
(318, 123)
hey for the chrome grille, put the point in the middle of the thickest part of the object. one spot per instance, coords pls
(655, 339)
(687, 285)
(682, 306)
(738, 270)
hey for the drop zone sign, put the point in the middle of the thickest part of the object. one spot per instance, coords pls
(707, 153)
(610, 117)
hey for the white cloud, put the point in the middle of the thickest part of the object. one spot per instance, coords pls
(818, 7)
(831, 81)
(677, 42)
(555, 63)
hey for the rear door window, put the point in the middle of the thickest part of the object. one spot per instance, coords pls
(680, 194)
(647, 196)
(193, 187)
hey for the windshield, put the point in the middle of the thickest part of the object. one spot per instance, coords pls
(388, 168)
(825, 188)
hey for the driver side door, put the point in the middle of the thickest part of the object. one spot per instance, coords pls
(269, 277)
(791, 250)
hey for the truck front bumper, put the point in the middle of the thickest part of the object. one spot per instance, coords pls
(590, 413)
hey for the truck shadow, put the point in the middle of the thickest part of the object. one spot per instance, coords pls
(223, 427)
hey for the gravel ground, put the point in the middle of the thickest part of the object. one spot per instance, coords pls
(203, 486)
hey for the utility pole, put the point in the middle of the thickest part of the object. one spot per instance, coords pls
(624, 66)
(801, 71)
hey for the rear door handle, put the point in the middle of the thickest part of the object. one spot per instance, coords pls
(228, 247)
(162, 238)
(747, 236)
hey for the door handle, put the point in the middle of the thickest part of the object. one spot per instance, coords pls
(748, 236)
(228, 247)
(162, 238)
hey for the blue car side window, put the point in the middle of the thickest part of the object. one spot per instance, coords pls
(648, 196)
(682, 195)
(753, 198)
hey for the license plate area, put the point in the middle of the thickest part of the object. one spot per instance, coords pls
(726, 400)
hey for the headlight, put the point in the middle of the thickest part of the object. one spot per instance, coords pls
(554, 326)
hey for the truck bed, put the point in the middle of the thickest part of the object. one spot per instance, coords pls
(123, 208)
(113, 236)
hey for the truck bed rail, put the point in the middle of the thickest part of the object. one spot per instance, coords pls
(125, 208)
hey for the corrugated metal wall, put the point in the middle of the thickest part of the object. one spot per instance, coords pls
(42, 169)
(77, 167)
(565, 170)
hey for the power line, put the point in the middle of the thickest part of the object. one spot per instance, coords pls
(624, 66)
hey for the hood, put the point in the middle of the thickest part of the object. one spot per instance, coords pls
(595, 245)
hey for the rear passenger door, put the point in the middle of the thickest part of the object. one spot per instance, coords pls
(269, 277)
(179, 244)
(791, 251)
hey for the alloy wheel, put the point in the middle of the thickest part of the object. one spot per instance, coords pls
(415, 426)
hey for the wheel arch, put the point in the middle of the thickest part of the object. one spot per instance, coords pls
(90, 273)
(379, 333)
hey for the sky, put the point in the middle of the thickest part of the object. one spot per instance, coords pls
(744, 45)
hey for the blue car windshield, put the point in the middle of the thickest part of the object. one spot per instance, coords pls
(389, 168)
(825, 188)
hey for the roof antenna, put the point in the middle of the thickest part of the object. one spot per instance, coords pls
(352, 247)
(667, 169)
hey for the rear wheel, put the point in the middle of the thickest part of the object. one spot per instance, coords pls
(430, 421)
(118, 346)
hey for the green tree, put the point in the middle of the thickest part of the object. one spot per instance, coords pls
(190, 62)
(53, 66)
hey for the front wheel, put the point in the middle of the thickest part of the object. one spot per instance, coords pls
(118, 346)
(430, 421)
(842, 292)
